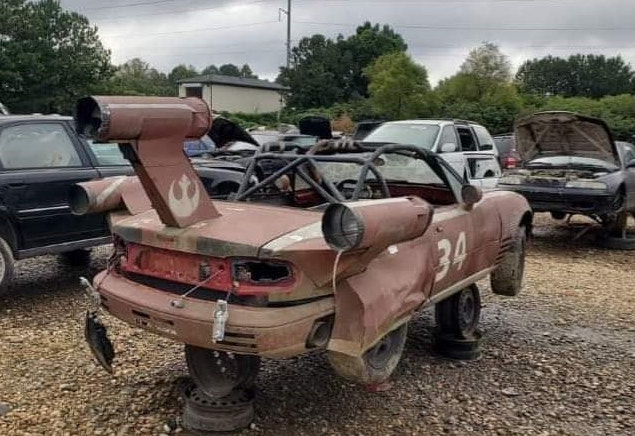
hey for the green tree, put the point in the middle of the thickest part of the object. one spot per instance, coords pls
(229, 70)
(325, 71)
(399, 87)
(312, 76)
(245, 71)
(181, 72)
(361, 49)
(48, 56)
(137, 77)
(579, 75)
(488, 64)
(210, 69)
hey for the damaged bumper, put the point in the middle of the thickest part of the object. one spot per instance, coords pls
(580, 201)
(279, 332)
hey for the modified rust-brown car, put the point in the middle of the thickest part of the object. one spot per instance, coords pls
(335, 251)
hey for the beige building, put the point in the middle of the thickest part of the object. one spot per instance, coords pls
(234, 94)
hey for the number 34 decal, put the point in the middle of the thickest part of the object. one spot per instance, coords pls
(445, 251)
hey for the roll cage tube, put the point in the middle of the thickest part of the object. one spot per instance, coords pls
(436, 164)
(296, 161)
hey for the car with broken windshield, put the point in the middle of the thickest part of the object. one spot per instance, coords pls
(335, 251)
(571, 165)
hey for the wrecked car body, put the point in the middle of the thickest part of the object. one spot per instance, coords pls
(571, 165)
(336, 250)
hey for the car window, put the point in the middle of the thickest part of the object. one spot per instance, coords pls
(467, 139)
(485, 140)
(448, 135)
(392, 166)
(421, 135)
(107, 153)
(44, 145)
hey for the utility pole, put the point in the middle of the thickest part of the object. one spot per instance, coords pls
(287, 12)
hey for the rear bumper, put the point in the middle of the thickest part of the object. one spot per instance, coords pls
(262, 331)
(572, 201)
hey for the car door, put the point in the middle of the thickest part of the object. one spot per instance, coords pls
(483, 169)
(40, 160)
(467, 239)
(448, 136)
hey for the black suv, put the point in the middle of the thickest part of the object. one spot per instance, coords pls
(41, 157)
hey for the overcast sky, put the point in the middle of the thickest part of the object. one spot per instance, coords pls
(439, 33)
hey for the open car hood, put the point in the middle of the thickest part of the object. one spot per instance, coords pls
(316, 126)
(560, 133)
(224, 131)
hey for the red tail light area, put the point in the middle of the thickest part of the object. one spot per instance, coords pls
(510, 162)
(241, 276)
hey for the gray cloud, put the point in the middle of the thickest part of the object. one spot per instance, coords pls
(439, 33)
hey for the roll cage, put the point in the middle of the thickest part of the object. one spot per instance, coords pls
(302, 165)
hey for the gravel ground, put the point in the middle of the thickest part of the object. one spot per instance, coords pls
(558, 359)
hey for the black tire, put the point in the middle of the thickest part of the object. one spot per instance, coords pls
(507, 278)
(79, 257)
(230, 413)
(458, 316)
(377, 363)
(7, 267)
(218, 373)
(451, 347)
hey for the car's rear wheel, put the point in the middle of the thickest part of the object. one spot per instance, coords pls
(507, 278)
(218, 373)
(377, 363)
(459, 314)
(6, 266)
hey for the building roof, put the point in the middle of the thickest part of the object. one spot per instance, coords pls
(218, 79)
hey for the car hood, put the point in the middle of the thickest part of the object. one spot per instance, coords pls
(224, 131)
(564, 134)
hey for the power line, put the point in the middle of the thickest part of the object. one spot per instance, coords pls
(174, 11)
(451, 27)
(200, 29)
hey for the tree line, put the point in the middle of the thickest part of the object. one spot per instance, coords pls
(50, 56)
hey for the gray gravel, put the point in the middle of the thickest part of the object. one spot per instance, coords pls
(559, 359)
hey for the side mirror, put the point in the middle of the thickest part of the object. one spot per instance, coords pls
(448, 147)
(471, 194)
(630, 163)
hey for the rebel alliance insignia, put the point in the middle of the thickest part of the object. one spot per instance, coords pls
(184, 206)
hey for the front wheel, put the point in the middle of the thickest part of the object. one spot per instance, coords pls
(377, 363)
(507, 278)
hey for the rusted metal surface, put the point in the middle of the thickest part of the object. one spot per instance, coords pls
(154, 129)
(279, 332)
(274, 267)
(109, 194)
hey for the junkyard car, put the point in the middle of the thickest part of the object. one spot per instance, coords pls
(571, 165)
(452, 139)
(41, 157)
(336, 250)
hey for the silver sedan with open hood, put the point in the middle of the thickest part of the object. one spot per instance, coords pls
(572, 165)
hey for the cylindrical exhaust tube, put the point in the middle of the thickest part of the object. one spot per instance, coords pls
(97, 196)
(380, 223)
(122, 118)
